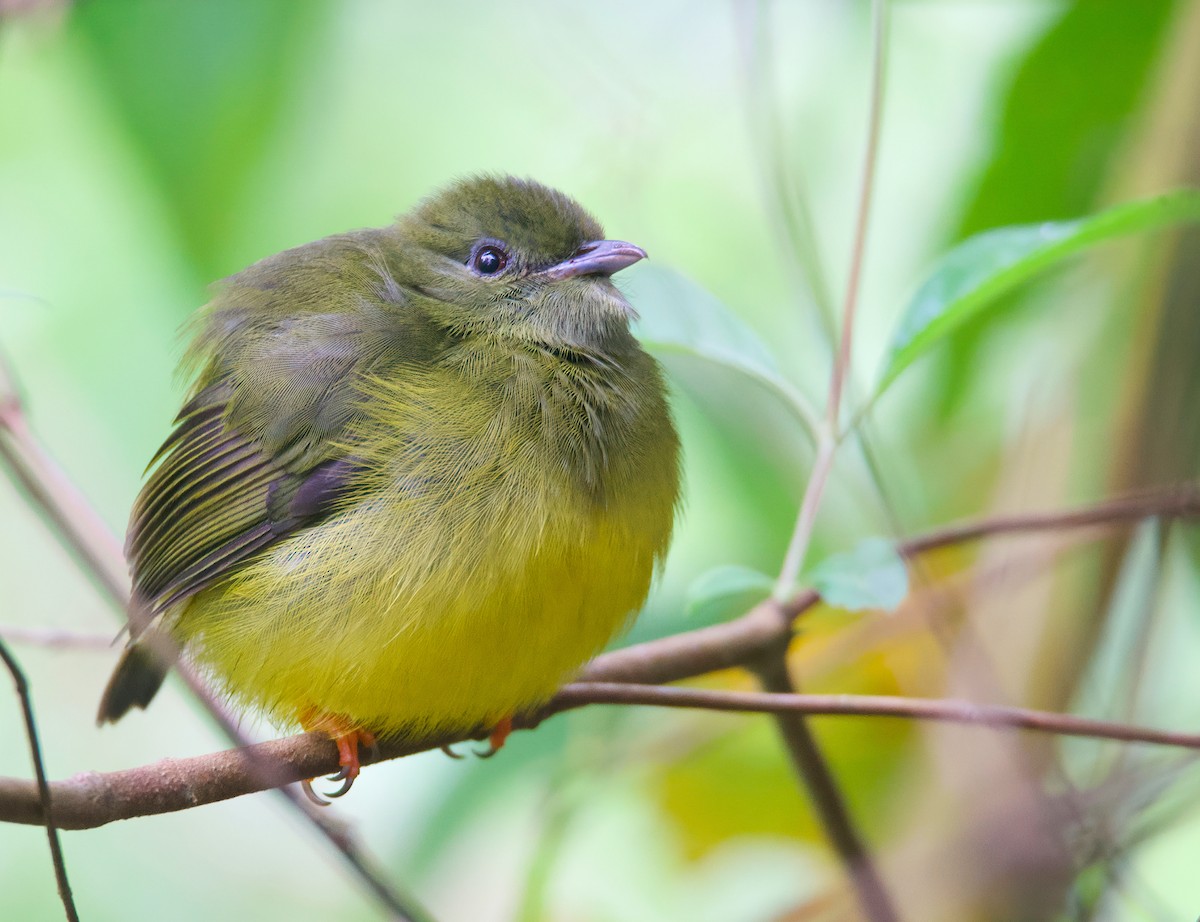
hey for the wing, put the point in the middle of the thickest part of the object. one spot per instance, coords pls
(216, 499)
(256, 453)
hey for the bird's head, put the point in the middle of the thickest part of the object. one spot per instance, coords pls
(512, 258)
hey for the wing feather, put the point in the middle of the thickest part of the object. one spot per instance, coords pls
(257, 451)
(207, 500)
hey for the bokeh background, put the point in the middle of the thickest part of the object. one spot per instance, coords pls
(149, 147)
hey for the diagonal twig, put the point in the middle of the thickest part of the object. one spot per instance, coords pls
(42, 786)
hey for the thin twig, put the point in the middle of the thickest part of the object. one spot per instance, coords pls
(841, 367)
(806, 520)
(1180, 500)
(938, 710)
(830, 435)
(56, 638)
(42, 786)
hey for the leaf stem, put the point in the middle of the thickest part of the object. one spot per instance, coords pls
(830, 435)
(806, 520)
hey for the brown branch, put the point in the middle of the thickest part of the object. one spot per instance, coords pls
(94, 799)
(939, 710)
(706, 649)
(1180, 501)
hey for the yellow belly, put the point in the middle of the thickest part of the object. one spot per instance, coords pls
(404, 619)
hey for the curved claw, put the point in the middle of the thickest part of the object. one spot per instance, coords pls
(449, 750)
(313, 796)
(347, 780)
(348, 744)
(346, 776)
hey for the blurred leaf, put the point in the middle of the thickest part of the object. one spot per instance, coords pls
(476, 783)
(738, 784)
(677, 316)
(1065, 120)
(724, 591)
(199, 87)
(741, 783)
(873, 575)
(1072, 99)
(971, 277)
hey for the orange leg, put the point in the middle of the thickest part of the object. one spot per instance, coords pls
(347, 745)
(348, 738)
(497, 737)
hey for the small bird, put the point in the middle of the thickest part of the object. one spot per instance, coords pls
(423, 473)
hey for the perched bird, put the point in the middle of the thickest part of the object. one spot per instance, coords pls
(423, 473)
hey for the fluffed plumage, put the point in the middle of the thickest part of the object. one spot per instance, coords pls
(410, 491)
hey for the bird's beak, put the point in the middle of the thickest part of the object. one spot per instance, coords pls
(597, 257)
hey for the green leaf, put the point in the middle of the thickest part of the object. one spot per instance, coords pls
(873, 575)
(1084, 83)
(725, 590)
(971, 277)
(677, 317)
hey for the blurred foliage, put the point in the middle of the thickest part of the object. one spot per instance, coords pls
(970, 279)
(200, 135)
(148, 147)
(1072, 121)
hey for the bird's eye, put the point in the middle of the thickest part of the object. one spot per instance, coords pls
(489, 259)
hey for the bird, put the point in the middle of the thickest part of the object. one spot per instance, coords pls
(423, 473)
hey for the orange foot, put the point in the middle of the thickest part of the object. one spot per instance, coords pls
(347, 738)
(496, 738)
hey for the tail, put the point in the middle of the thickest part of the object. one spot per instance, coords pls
(138, 676)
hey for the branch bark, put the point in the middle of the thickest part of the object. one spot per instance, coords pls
(95, 799)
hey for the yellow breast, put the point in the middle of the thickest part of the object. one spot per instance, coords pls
(477, 568)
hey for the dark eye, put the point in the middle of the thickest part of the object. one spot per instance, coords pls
(489, 259)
